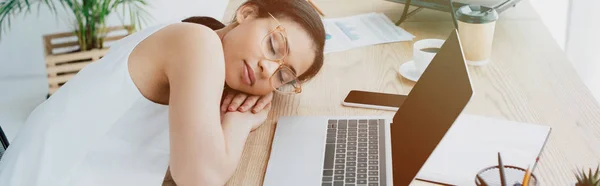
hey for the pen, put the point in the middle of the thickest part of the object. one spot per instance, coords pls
(527, 176)
(534, 164)
(316, 7)
(501, 166)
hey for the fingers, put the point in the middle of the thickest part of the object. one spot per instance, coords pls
(268, 106)
(262, 102)
(250, 101)
(227, 101)
(237, 101)
(265, 110)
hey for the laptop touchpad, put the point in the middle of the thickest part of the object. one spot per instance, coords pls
(297, 151)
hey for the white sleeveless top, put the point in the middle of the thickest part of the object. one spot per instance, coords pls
(97, 129)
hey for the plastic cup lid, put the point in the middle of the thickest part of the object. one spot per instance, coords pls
(476, 14)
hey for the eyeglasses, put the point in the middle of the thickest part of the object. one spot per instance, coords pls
(275, 48)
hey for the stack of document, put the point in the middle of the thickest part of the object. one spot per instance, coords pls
(361, 30)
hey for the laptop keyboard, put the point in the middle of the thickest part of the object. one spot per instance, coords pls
(354, 153)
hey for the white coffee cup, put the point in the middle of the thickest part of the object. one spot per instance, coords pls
(424, 51)
(476, 26)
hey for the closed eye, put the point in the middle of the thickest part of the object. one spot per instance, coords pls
(272, 47)
(280, 75)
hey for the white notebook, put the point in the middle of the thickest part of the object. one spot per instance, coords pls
(473, 143)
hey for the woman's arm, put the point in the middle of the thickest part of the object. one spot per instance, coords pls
(204, 151)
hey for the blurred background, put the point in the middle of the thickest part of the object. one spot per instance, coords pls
(23, 81)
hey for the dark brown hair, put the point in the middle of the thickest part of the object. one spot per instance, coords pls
(299, 11)
(209, 22)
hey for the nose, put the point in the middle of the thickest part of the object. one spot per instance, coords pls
(267, 67)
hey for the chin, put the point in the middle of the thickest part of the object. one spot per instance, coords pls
(231, 82)
(234, 81)
(260, 92)
(233, 77)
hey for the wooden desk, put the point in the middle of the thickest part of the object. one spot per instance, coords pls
(529, 80)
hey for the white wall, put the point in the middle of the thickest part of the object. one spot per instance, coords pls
(21, 49)
(554, 14)
(575, 26)
(583, 42)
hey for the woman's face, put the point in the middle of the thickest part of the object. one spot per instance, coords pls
(247, 68)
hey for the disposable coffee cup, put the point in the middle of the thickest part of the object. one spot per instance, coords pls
(476, 26)
(424, 51)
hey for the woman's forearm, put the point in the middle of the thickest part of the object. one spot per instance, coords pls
(214, 167)
(235, 138)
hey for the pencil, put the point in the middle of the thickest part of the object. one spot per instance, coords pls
(527, 176)
(316, 7)
(481, 181)
(501, 167)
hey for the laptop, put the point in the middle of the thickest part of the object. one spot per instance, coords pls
(374, 150)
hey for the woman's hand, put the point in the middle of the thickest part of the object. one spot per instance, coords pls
(239, 101)
(254, 120)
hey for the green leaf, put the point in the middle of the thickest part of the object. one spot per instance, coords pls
(137, 14)
(579, 179)
(581, 176)
(28, 6)
(90, 15)
(51, 5)
(8, 10)
(585, 176)
(589, 176)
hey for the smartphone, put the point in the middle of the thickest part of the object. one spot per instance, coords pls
(374, 100)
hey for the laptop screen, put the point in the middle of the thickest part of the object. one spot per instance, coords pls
(430, 109)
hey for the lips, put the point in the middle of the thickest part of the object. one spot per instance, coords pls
(248, 74)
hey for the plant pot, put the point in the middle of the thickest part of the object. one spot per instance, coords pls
(64, 58)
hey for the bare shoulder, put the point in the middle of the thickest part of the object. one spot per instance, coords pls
(186, 37)
(178, 52)
(191, 43)
(188, 32)
(195, 70)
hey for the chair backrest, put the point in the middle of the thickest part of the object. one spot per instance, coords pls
(3, 142)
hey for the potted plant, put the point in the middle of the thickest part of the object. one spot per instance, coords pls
(90, 31)
(591, 178)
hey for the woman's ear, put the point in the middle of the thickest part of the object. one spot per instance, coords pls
(246, 12)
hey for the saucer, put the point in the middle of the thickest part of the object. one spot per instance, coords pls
(408, 71)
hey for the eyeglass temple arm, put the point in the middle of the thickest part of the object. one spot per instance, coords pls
(274, 18)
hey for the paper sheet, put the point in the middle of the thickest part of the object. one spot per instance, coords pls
(473, 143)
(361, 30)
